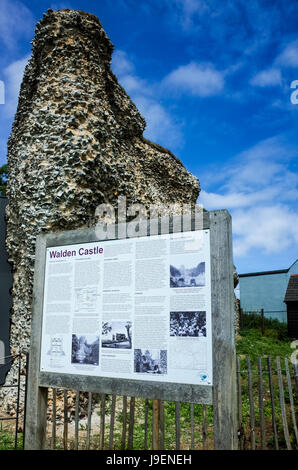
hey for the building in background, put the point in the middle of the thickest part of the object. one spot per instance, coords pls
(291, 300)
(266, 290)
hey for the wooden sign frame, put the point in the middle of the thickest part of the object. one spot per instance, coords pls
(222, 394)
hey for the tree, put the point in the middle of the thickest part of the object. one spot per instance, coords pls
(128, 329)
(3, 179)
(106, 328)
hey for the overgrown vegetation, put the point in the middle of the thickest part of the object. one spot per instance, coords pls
(272, 327)
(251, 343)
(7, 438)
(274, 343)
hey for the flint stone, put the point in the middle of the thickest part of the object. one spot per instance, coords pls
(51, 187)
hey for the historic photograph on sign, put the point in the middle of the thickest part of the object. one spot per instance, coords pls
(186, 272)
(117, 334)
(191, 324)
(153, 361)
(85, 349)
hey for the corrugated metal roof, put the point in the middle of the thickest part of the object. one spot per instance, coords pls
(292, 289)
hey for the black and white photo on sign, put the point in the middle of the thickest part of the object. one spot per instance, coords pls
(192, 324)
(186, 271)
(117, 334)
(150, 361)
(85, 349)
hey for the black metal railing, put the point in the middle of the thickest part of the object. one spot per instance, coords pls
(19, 386)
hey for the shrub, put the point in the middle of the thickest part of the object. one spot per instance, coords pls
(273, 327)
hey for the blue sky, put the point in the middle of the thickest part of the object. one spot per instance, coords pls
(212, 79)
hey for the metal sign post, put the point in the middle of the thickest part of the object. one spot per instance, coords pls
(221, 389)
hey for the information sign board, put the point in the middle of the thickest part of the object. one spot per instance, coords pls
(141, 316)
(138, 308)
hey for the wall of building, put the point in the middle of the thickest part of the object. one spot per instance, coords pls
(294, 268)
(266, 291)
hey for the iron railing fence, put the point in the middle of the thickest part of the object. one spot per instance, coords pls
(17, 405)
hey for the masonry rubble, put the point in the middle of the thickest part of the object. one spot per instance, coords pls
(76, 142)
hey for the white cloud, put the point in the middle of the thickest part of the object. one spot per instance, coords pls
(16, 20)
(271, 229)
(270, 77)
(289, 56)
(133, 84)
(260, 190)
(235, 199)
(124, 69)
(198, 79)
(262, 165)
(161, 125)
(188, 9)
(14, 75)
(120, 63)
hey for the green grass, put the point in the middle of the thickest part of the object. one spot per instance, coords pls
(252, 343)
(170, 426)
(273, 344)
(7, 440)
(272, 327)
